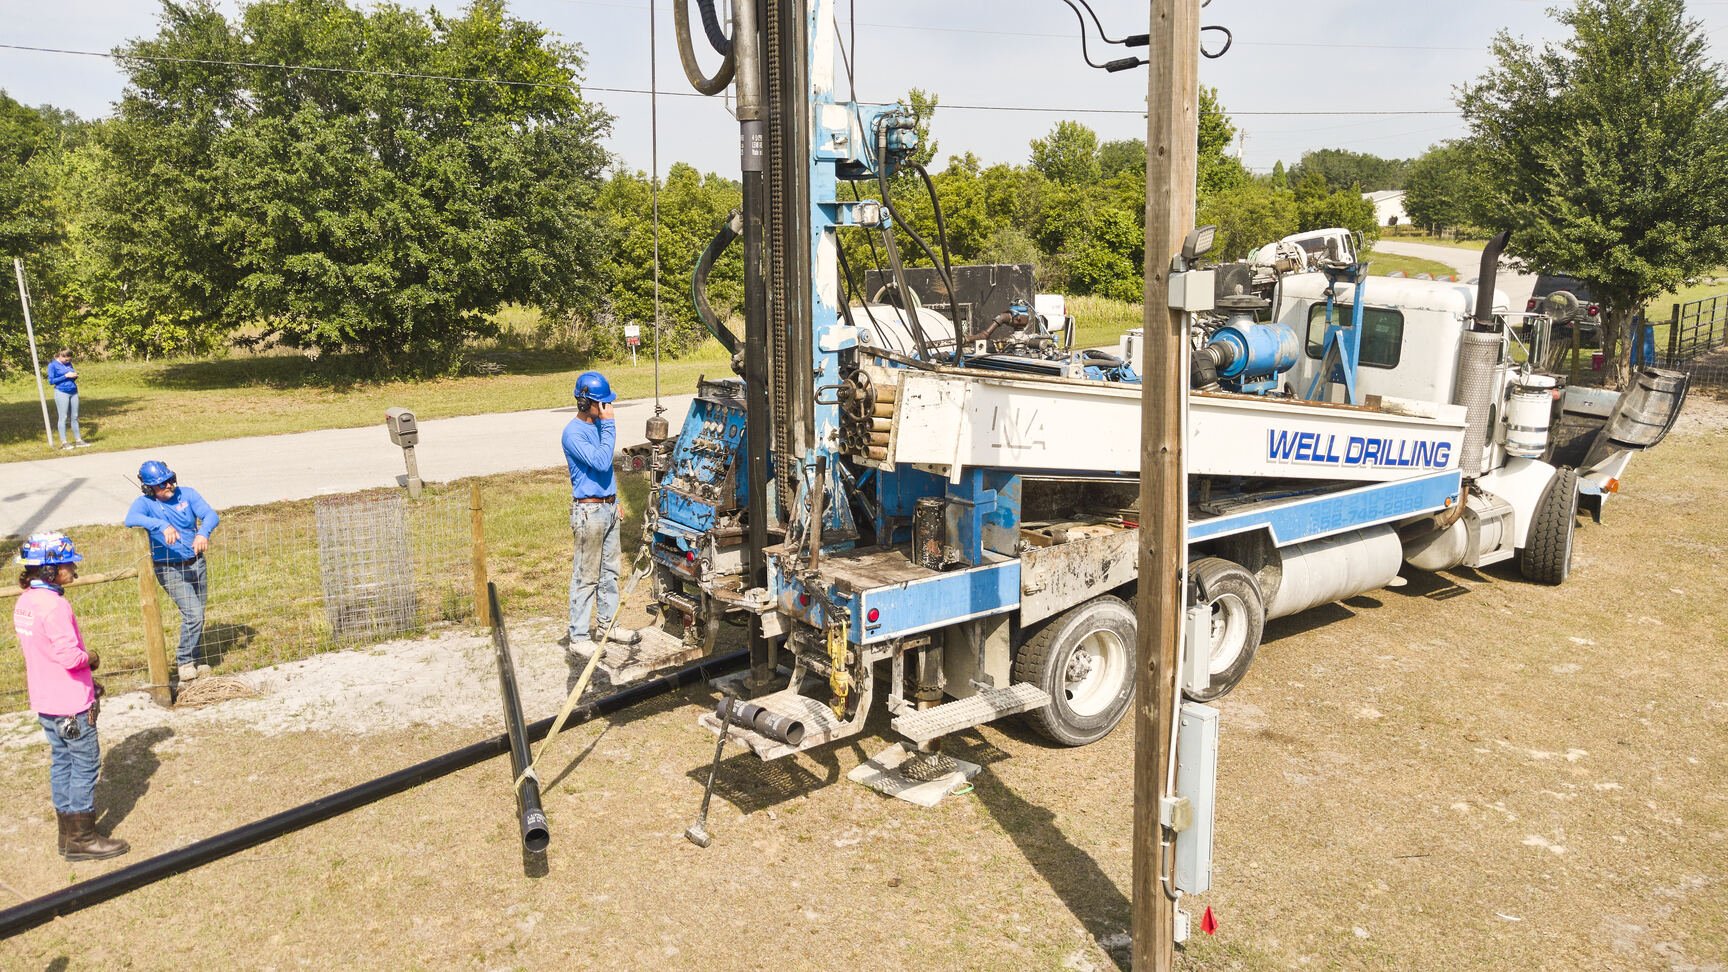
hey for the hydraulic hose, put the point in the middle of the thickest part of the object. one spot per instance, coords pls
(717, 38)
(731, 230)
(82, 895)
(687, 48)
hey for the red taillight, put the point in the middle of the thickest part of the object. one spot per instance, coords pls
(1530, 306)
(1594, 310)
(873, 615)
(690, 555)
(803, 600)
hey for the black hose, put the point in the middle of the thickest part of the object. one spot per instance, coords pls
(687, 54)
(946, 265)
(731, 230)
(894, 249)
(84, 894)
(530, 814)
(717, 38)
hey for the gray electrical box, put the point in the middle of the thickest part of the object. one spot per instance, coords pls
(403, 429)
(1196, 779)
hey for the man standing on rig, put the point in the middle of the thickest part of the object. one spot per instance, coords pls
(590, 441)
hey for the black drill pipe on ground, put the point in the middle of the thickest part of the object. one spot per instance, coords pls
(84, 894)
(529, 814)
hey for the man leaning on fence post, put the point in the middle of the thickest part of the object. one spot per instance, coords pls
(180, 523)
(590, 441)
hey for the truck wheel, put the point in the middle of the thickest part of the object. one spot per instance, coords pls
(1238, 622)
(1085, 659)
(1547, 554)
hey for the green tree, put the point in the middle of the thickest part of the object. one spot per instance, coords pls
(1441, 187)
(1606, 153)
(1248, 216)
(30, 226)
(1217, 170)
(1127, 155)
(1319, 206)
(693, 206)
(1068, 155)
(1343, 169)
(339, 210)
(26, 219)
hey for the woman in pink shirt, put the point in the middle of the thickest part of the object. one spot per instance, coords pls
(57, 671)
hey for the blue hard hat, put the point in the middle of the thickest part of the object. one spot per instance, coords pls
(43, 549)
(154, 473)
(593, 385)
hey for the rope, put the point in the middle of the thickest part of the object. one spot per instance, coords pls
(640, 568)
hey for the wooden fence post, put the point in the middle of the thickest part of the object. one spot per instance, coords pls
(1673, 335)
(155, 647)
(477, 519)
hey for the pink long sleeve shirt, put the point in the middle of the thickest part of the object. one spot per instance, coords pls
(56, 667)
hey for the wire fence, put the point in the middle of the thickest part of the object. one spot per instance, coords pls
(285, 582)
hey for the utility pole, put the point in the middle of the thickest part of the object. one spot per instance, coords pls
(1172, 135)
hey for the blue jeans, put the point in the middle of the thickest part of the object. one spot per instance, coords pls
(66, 407)
(594, 572)
(187, 585)
(73, 765)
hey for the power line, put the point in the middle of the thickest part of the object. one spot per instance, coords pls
(411, 76)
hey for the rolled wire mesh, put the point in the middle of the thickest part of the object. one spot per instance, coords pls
(285, 582)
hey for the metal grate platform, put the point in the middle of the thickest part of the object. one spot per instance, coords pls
(965, 713)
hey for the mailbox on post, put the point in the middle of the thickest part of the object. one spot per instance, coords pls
(405, 432)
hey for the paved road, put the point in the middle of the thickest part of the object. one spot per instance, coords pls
(1468, 265)
(75, 489)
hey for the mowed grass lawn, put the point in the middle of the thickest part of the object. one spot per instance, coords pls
(1385, 264)
(141, 404)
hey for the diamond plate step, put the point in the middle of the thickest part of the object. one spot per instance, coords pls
(820, 725)
(965, 713)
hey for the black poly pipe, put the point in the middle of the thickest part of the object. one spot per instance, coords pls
(40, 911)
(530, 814)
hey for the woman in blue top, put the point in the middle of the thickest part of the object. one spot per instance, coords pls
(64, 378)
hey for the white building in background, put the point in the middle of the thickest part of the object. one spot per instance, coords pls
(1388, 207)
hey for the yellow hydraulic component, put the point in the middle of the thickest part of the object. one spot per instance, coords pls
(839, 681)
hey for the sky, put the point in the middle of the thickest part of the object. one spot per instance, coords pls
(1024, 55)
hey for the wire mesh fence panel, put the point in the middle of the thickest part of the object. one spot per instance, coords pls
(284, 582)
(365, 564)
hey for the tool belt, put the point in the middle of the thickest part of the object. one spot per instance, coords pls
(595, 499)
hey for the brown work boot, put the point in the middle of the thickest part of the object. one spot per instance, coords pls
(65, 820)
(83, 843)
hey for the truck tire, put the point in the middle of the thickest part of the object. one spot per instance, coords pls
(1085, 659)
(1547, 554)
(1238, 622)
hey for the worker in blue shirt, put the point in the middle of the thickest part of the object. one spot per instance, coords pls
(590, 441)
(180, 523)
(64, 378)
